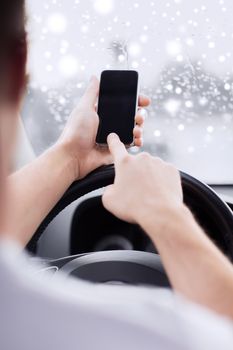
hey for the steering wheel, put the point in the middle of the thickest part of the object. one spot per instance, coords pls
(135, 267)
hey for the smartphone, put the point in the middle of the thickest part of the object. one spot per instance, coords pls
(117, 105)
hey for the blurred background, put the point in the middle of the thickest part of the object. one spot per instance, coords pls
(183, 51)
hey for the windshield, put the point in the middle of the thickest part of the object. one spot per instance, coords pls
(183, 51)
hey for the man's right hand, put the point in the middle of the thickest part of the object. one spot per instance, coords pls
(144, 186)
(147, 191)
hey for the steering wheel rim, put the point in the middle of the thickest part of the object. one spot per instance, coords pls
(220, 213)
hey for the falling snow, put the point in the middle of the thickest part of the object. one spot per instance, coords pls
(183, 55)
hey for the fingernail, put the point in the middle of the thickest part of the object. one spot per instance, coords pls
(112, 136)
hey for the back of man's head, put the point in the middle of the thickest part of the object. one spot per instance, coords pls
(13, 49)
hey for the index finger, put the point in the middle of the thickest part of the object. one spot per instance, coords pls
(116, 147)
(144, 101)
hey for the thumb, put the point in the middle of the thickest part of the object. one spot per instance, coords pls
(91, 93)
(107, 196)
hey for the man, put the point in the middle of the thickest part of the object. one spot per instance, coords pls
(72, 157)
(72, 314)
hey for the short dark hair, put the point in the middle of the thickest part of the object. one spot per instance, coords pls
(12, 43)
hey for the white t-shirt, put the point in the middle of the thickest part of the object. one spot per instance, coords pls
(52, 312)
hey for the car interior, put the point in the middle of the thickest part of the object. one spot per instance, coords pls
(183, 55)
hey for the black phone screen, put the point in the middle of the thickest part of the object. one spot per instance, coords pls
(117, 105)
